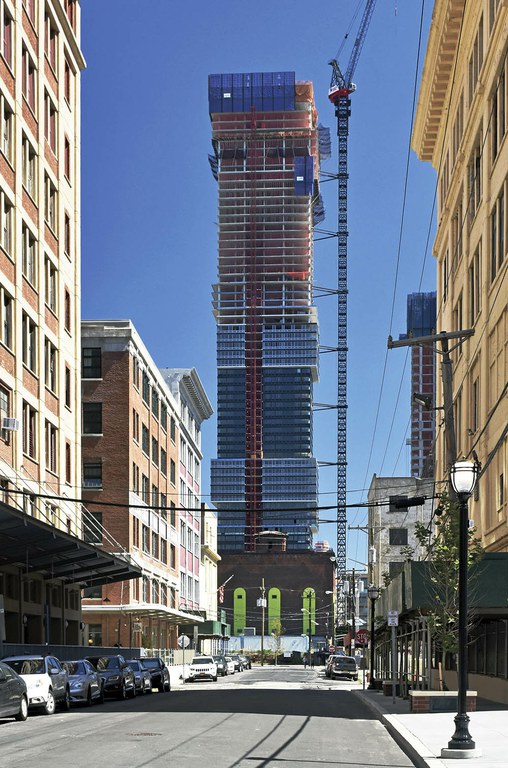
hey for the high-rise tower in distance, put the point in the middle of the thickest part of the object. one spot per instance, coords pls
(266, 154)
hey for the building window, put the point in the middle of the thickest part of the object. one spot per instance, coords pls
(135, 373)
(145, 489)
(155, 403)
(145, 541)
(155, 452)
(172, 472)
(51, 42)
(29, 430)
(164, 417)
(497, 239)
(475, 405)
(155, 496)
(172, 556)
(172, 429)
(29, 6)
(92, 526)
(6, 213)
(476, 60)
(67, 234)
(67, 310)
(164, 556)
(70, 10)
(475, 178)
(92, 362)
(474, 280)
(67, 81)
(164, 462)
(67, 387)
(6, 325)
(92, 474)
(394, 568)
(29, 336)
(7, 26)
(28, 79)
(172, 513)
(92, 418)
(145, 440)
(135, 477)
(50, 122)
(7, 127)
(50, 286)
(29, 255)
(146, 389)
(498, 120)
(155, 546)
(500, 493)
(135, 426)
(68, 463)
(29, 168)
(396, 504)
(50, 365)
(398, 536)
(164, 504)
(50, 203)
(51, 447)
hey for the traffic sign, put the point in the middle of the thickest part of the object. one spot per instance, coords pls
(183, 641)
(362, 636)
(393, 618)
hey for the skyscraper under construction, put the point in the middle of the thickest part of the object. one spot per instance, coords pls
(266, 152)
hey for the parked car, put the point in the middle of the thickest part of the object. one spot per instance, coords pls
(238, 662)
(222, 665)
(246, 661)
(230, 665)
(85, 683)
(142, 676)
(158, 672)
(13, 694)
(117, 676)
(202, 667)
(344, 666)
(46, 681)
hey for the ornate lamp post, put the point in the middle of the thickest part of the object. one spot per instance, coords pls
(463, 476)
(373, 593)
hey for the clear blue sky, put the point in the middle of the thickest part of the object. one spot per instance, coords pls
(149, 201)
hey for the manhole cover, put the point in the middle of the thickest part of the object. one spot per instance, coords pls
(144, 734)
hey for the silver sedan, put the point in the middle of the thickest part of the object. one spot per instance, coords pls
(86, 685)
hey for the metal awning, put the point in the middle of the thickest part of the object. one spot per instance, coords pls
(172, 616)
(37, 547)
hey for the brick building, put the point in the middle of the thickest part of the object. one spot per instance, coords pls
(137, 424)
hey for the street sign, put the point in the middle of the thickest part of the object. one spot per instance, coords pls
(183, 641)
(261, 602)
(393, 618)
(362, 636)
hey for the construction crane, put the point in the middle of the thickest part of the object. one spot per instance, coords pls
(341, 87)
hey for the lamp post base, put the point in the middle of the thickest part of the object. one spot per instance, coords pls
(461, 740)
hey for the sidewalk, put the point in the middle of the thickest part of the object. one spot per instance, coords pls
(422, 736)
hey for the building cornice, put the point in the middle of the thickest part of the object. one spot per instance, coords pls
(436, 79)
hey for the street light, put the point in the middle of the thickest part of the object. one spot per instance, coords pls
(373, 593)
(463, 476)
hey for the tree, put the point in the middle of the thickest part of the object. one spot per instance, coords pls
(442, 552)
(276, 642)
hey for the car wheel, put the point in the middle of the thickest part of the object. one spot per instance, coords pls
(23, 709)
(167, 687)
(132, 692)
(101, 695)
(49, 706)
(214, 678)
(89, 699)
(123, 691)
(66, 701)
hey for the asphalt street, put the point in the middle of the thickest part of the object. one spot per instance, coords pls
(261, 718)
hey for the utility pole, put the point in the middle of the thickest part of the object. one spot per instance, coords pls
(309, 598)
(353, 617)
(446, 375)
(263, 604)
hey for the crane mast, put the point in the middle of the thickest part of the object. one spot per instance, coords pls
(341, 87)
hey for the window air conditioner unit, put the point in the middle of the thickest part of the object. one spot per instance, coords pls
(10, 425)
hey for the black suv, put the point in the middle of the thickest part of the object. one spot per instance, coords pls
(158, 672)
(117, 675)
(222, 666)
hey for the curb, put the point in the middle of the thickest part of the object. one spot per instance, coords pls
(417, 752)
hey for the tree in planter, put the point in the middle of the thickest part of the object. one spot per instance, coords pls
(442, 552)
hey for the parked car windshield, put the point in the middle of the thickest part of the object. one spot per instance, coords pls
(74, 667)
(106, 662)
(152, 663)
(27, 666)
(202, 660)
(135, 665)
(345, 661)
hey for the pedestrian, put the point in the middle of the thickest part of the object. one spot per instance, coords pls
(304, 659)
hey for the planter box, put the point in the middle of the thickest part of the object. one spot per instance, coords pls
(387, 688)
(439, 701)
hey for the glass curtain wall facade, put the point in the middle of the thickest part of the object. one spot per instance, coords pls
(266, 154)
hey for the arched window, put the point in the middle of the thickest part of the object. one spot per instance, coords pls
(273, 608)
(239, 610)
(308, 611)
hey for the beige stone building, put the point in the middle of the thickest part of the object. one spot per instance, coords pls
(461, 128)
